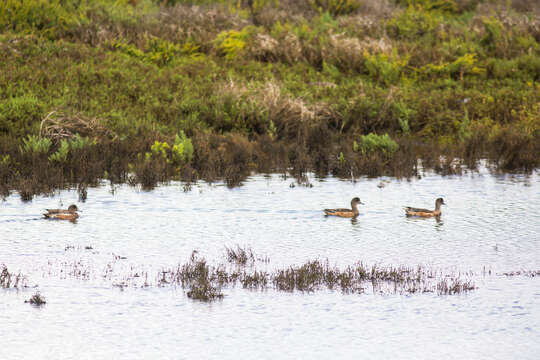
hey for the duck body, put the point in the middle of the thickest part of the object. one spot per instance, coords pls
(347, 213)
(62, 214)
(411, 211)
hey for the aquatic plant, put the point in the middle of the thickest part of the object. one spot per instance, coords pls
(240, 256)
(37, 299)
(453, 286)
(204, 282)
(10, 280)
(198, 277)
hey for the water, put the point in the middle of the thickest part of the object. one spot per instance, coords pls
(491, 224)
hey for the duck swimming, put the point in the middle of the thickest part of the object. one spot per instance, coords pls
(410, 211)
(348, 213)
(62, 214)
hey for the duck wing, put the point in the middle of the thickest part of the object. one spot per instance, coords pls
(337, 210)
(55, 211)
(413, 209)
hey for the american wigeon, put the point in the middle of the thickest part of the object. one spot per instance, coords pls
(62, 214)
(349, 213)
(410, 211)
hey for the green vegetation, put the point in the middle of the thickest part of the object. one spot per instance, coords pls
(34, 146)
(373, 142)
(216, 89)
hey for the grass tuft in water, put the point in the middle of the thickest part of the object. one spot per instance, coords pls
(204, 282)
(37, 299)
(453, 286)
(239, 256)
(9, 280)
(200, 279)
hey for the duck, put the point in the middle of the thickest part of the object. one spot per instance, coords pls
(411, 211)
(348, 213)
(63, 214)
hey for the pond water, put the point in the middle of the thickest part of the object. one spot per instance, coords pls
(490, 226)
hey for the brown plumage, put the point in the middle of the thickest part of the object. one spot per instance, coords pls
(62, 214)
(348, 213)
(411, 211)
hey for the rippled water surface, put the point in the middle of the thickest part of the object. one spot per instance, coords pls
(490, 226)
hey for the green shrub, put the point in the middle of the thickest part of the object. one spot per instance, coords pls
(62, 153)
(464, 65)
(180, 153)
(384, 68)
(161, 51)
(182, 150)
(5, 160)
(34, 145)
(336, 7)
(48, 17)
(464, 132)
(412, 24)
(19, 115)
(377, 143)
(157, 50)
(160, 149)
(79, 142)
(231, 43)
(128, 49)
(432, 5)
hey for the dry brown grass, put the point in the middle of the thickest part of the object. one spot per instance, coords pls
(58, 125)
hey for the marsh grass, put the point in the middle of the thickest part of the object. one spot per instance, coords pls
(205, 282)
(10, 280)
(202, 281)
(37, 300)
(528, 273)
(240, 256)
(454, 286)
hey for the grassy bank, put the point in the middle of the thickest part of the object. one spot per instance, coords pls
(145, 91)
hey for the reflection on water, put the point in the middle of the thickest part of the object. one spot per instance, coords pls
(490, 224)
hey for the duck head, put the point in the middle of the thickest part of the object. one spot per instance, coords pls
(439, 202)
